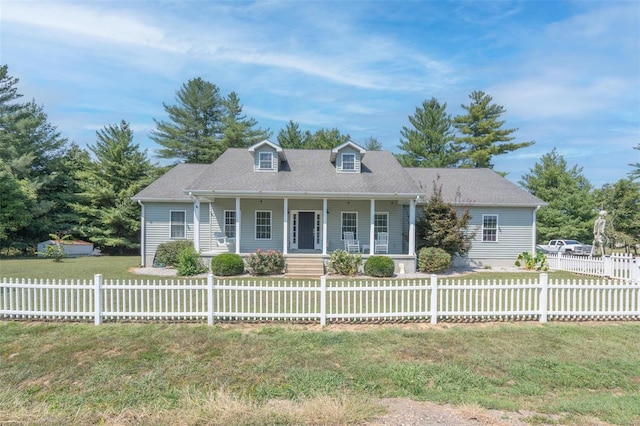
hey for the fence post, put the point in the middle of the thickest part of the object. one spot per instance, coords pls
(543, 297)
(608, 266)
(635, 269)
(434, 299)
(210, 283)
(323, 300)
(97, 299)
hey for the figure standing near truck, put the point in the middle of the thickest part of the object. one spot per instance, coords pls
(599, 237)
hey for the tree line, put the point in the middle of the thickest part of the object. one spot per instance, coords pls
(49, 185)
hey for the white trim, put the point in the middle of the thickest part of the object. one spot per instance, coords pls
(184, 224)
(318, 223)
(497, 228)
(271, 167)
(356, 235)
(355, 159)
(255, 222)
(224, 223)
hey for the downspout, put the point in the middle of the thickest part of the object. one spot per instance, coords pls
(143, 235)
(534, 230)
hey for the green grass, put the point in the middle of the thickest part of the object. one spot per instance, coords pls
(194, 374)
(117, 267)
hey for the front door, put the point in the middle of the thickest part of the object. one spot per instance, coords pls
(305, 230)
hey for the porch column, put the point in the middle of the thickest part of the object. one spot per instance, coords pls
(238, 227)
(372, 228)
(412, 228)
(285, 232)
(196, 224)
(324, 225)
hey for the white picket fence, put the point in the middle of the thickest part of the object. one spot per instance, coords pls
(616, 266)
(324, 301)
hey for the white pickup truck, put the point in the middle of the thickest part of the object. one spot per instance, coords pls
(572, 247)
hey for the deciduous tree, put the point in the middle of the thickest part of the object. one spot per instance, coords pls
(621, 201)
(482, 136)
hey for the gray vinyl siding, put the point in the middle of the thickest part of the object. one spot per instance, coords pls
(357, 160)
(157, 226)
(515, 230)
(274, 158)
(248, 241)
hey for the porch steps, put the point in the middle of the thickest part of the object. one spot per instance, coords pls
(305, 266)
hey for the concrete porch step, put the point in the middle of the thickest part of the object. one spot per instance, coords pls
(305, 266)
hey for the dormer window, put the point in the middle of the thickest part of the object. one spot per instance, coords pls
(266, 161)
(348, 162)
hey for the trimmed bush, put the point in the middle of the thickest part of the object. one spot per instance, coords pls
(167, 253)
(344, 263)
(379, 266)
(432, 259)
(189, 262)
(266, 263)
(227, 264)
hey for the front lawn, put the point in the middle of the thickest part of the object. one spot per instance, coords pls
(570, 374)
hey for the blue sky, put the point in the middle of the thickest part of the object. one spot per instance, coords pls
(568, 73)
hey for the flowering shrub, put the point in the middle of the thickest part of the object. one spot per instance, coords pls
(266, 263)
(344, 263)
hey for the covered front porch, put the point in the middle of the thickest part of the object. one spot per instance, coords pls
(299, 226)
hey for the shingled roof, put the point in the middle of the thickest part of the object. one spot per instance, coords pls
(480, 187)
(309, 173)
(305, 173)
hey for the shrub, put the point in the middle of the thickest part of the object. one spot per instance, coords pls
(227, 264)
(189, 262)
(344, 263)
(167, 253)
(530, 262)
(266, 263)
(433, 259)
(379, 266)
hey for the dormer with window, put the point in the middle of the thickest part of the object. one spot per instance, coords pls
(347, 157)
(267, 156)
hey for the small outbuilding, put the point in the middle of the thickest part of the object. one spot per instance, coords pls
(74, 248)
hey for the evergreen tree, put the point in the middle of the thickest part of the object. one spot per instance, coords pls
(635, 174)
(195, 130)
(430, 140)
(33, 152)
(292, 137)
(17, 199)
(482, 134)
(239, 131)
(442, 227)
(571, 206)
(111, 219)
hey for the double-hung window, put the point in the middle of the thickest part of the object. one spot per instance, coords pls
(348, 162)
(381, 222)
(230, 223)
(489, 227)
(265, 161)
(178, 224)
(350, 223)
(263, 225)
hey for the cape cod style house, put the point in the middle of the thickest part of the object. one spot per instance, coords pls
(308, 203)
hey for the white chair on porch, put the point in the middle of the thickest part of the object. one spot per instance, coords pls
(382, 243)
(219, 239)
(351, 245)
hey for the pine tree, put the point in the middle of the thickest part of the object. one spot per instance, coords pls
(33, 151)
(372, 144)
(571, 206)
(635, 174)
(292, 137)
(239, 131)
(430, 140)
(195, 130)
(111, 219)
(482, 134)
